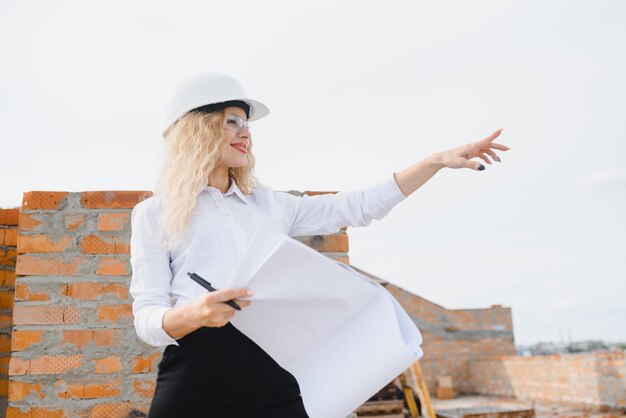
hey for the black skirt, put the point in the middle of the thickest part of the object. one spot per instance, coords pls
(221, 373)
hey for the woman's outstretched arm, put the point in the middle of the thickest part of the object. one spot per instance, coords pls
(326, 213)
(413, 177)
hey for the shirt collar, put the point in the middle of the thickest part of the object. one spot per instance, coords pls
(232, 189)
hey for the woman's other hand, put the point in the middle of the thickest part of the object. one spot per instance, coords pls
(209, 310)
(460, 157)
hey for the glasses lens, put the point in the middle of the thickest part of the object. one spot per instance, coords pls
(235, 123)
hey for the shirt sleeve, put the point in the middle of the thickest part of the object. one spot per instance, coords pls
(327, 213)
(151, 281)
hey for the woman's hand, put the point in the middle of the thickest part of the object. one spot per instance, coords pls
(460, 157)
(412, 178)
(209, 310)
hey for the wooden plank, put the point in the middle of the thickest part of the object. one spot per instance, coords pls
(486, 412)
(374, 408)
(383, 416)
(422, 391)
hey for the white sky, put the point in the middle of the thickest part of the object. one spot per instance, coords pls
(357, 90)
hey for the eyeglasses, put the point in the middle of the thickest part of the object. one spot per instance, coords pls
(236, 123)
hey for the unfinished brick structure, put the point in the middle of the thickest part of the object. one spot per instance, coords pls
(455, 338)
(71, 343)
(8, 244)
(597, 378)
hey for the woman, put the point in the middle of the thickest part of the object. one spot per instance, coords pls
(205, 206)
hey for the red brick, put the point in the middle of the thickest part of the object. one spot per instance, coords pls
(94, 291)
(27, 222)
(44, 364)
(45, 315)
(4, 365)
(125, 199)
(6, 299)
(5, 343)
(144, 387)
(112, 221)
(106, 337)
(7, 278)
(43, 200)
(336, 243)
(22, 292)
(115, 313)
(48, 265)
(110, 364)
(105, 244)
(91, 391)
(145, 364)
(9, 237)
(8, 256)
(20, 390)
(113, 266)
(22, 339)
(9, 216)
(101, 337)
(119, 409)
(119, 289)
(79, 338)
(13, 412)
(6, 321)
(44, 243)
(4, 388)
(74, 221)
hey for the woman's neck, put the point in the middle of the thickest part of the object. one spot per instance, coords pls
(219, 179)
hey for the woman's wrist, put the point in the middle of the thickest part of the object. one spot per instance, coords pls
(188, 313)
(413, 177)
(179, 321)
(436, 160)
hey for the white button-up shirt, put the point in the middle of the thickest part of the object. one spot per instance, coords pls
(216, 239)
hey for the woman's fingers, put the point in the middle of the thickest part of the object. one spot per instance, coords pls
(484, 157)
(484, 146)
(461, 157)
(225, 314)
(224, 295)
(483, 142)
(499, 146)
(243, 302)
(493, 155)
(462, 162)
(211, 310)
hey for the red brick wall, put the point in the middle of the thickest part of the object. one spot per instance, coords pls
(8, 244)
(597, 378)
(455, 338)
(74, 348)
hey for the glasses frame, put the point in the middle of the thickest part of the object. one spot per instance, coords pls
(240, 123)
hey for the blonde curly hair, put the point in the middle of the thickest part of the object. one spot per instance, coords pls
(195, 146)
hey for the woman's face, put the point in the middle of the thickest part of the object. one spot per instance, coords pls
(237, 144)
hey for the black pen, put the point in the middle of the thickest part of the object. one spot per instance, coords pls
(210, 288)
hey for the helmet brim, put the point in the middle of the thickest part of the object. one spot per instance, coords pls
(258, 110)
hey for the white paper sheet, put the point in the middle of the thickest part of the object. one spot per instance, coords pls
(342, 335)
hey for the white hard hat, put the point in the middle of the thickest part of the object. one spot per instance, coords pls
(208, 88)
